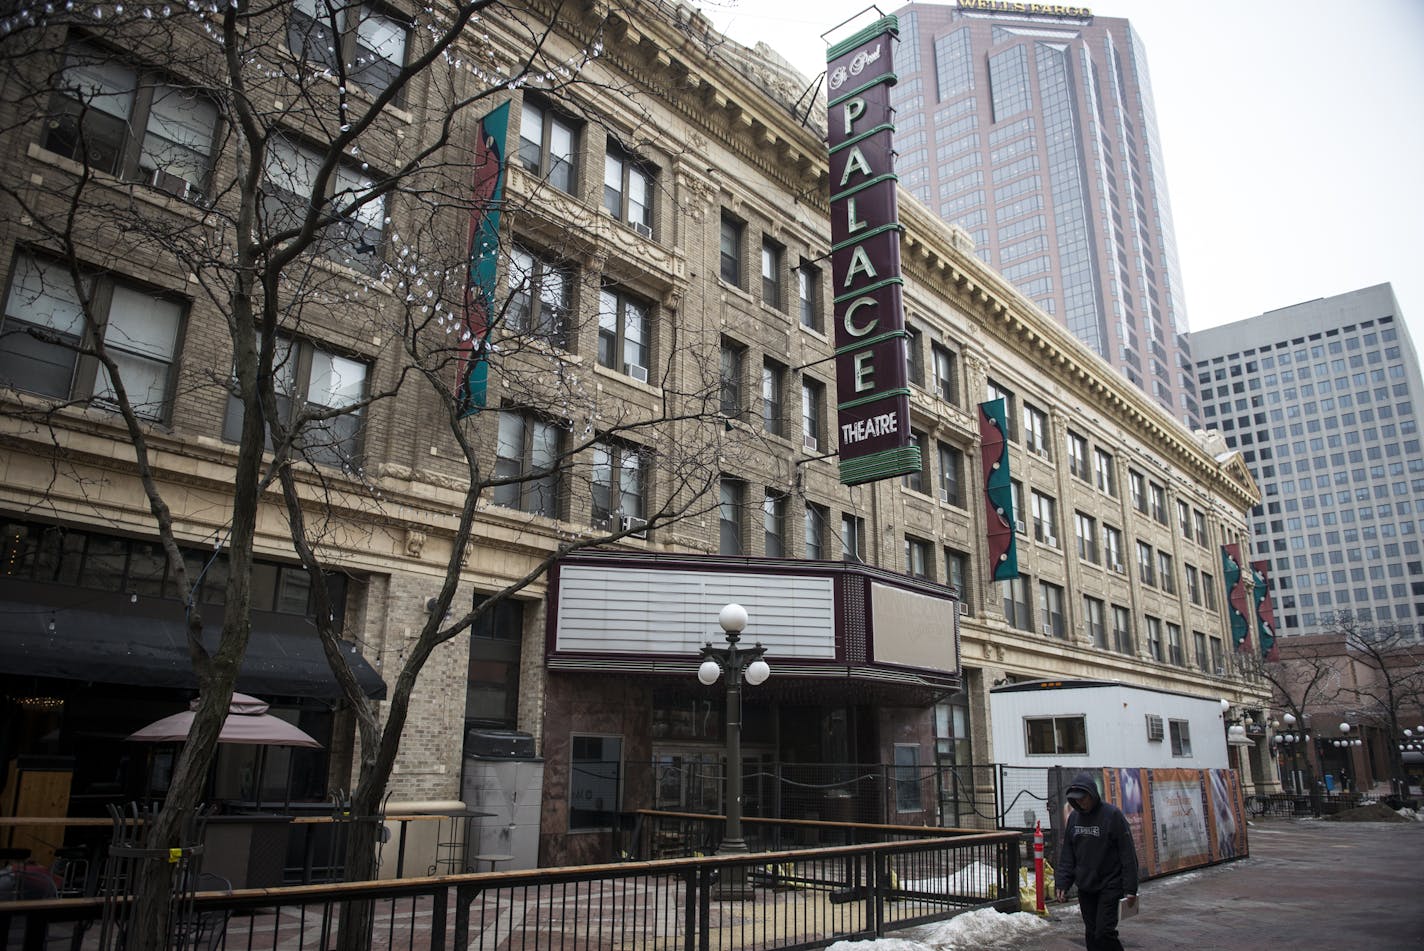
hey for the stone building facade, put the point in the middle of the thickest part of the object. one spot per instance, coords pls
(671, 200)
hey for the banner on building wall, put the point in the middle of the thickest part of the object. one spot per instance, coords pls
(1180, 818)
(1265, 612)
(482, 280)
(999, 514)
(1240, 608)
(872, 378)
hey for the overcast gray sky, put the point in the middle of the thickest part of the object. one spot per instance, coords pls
(1293, 135)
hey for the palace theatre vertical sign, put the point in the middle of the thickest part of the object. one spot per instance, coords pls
(872, 386)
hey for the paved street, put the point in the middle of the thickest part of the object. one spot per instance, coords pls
(1309, 885)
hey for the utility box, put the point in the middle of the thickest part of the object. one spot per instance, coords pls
(503, 779)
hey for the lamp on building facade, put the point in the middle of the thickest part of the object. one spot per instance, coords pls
(737, 664)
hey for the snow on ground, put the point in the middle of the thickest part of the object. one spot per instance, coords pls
(981, 930)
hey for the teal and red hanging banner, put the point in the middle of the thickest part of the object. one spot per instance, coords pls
(1265, 612)
(481, 282)
(999, 512)
(872, 374)
(1240, 607)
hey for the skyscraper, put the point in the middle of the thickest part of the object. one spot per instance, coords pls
(1319, 397)
(1035, 131)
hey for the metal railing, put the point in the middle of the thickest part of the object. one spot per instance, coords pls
(798, 898)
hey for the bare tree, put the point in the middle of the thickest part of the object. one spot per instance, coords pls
(1389, 684)
(1305, 680)
(302, 172)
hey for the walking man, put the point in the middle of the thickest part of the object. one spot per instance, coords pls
(1098, 857)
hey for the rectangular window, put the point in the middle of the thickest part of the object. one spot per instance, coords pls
(1055, 736)
(547, 143)
(1184, 519)
(1166, 572)
(623, 333)
(309, 376)
(1209, 590)
(1045, 518)
(771, 284)
(729, 378)
(1159, 503)
(1122, 629)
(538, 297)
(492, 676)
(916, 480)
(595, 781)
(1016, 607)
(1095, 618)
(773, 382)
(808, 296)
(1181, 737)
(1199, 527)
(1193, 584)
(1035, 430)
(131, 124)
(731, 503)
(944, 375)
(352, 215)
(619, 486)
(1175, 649)
(43, 326)
(1199, 648)
(628, 190)
(1085, 531)
(1105, 472)
(1078, 456)
(914, 354)
(528, 452)
(908, 796)
(773, 509)
(956, 575)
(370, 41)
(996, 392)
(817, 518)
(813, 394)
(1112, 549)
(1218, 656)
(1050, 609)
(919, 560)
(951, 462)
(731, 250)
(1137, 483)
(1154, 638)
(852, 538)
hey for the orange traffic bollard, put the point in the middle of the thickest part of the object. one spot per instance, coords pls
(1038, 867)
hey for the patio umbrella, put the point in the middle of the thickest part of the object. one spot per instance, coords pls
(247, 722)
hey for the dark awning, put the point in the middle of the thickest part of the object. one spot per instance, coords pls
(148, 651)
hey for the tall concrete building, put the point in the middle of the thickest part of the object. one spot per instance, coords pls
(1036, 132)
(1319, 397)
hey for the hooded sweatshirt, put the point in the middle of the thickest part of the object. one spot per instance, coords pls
(1097, 853)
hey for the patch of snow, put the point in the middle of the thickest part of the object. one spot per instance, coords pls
(981, 930)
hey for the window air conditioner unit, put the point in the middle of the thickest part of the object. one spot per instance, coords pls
(1117, 567)
(642, 229)
(810, 443)
(1019, 526)
(636, 527)
(944, 495)
(1048, 629)
(636, 372)
(1051, 541)
(964, 609)
(1154, 728)
(178, 187)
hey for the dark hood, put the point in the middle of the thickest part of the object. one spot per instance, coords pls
(1085, 782)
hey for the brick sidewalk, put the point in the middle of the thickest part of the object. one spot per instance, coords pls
(1308, 885)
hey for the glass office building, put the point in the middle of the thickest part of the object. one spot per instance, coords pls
(1036, 133)
(1321, 405)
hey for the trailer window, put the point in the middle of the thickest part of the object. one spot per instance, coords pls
(1049, 736)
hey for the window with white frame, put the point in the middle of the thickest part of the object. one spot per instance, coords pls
(1085, 531)
(816, 519)
(1159, 503)
(730, 357)
(548, 141)
(538, 296)
(353, 214)
(1112, 548)
(772, 293)
(1078, 456)
(527, 452)
(43, 326)
(852, 538)
(919, 557)
(1181, 734)
(731, 506)
(1145, 569)
(365, 42)
(1137, 484)
(1122, 630)
(1166, 572)
(136, 124)
(1055, 736)
(624, 333)
(951, 463)
(808, 296)
(318, 381)
(1015, 602)
(943, 362)
(916, 480)
(628, 189)
(1105, 472)
(1045, 518)
(1095, 619)
(619, 486)
(1035, 429)
(1050, 609)
(773, 511)
(994, 391)
(1154, 638)
(773, 408)
(813, 394)
(1176, 650)
(730, 238)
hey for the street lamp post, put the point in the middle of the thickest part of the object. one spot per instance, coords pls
(736, 663)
